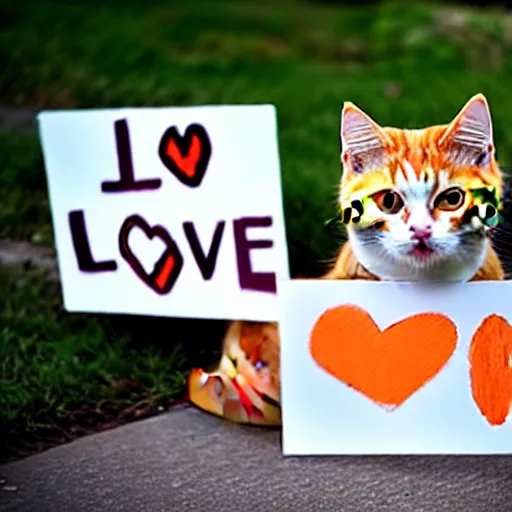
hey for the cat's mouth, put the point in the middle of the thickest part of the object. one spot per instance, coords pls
(422, 249)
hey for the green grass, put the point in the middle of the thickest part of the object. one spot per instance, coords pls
(407, 64)
(60, 370)
(24, 202)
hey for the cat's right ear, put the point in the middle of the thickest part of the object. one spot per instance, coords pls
(468, 140)
(363, 142)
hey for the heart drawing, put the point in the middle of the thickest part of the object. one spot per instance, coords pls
(490, 359)
(387, 366)
(186, 157)
(168, 266)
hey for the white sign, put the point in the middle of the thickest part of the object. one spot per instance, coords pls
(167, 211)
(389, 368)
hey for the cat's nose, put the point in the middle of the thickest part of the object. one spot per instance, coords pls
(421, 232)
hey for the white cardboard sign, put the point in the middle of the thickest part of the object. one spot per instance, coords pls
(363, 374)
(167, 211)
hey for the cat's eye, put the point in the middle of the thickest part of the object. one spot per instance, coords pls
(450, 200)
(389, 201)
(259, 365)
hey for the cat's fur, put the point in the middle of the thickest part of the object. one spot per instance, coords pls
(419, 205)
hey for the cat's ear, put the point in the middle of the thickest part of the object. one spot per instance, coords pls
(363, 142)
(468, 139)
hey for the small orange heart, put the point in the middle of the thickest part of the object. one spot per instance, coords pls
(386, 366)
(490, 357)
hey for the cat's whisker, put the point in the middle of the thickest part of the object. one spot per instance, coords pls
(502, 242)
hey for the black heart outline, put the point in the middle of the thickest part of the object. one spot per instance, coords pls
(183, 144)
(151, 232)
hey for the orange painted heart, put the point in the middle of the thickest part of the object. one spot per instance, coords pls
(186, 157)
(490, 358)
(387, 366)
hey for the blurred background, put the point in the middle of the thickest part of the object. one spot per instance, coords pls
(408, 64)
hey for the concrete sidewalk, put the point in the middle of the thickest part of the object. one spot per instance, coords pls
(188, 460)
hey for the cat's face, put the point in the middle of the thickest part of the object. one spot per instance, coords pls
(419, 203)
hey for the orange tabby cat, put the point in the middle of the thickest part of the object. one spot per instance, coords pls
(418, 205)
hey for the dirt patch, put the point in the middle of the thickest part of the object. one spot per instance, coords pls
(82, 422)
(19, 120)
(30, 256)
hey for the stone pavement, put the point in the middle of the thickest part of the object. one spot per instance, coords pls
(187, 460)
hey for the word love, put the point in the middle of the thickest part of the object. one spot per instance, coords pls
(187, 158)
(167, 268)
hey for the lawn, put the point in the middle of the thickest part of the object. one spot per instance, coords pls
(408, 64)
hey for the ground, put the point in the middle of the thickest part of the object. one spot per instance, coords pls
(408, 64)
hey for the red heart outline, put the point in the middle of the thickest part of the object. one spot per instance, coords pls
(186, 157)
(167, 268)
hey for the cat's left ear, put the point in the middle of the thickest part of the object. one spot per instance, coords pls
(468, 139)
